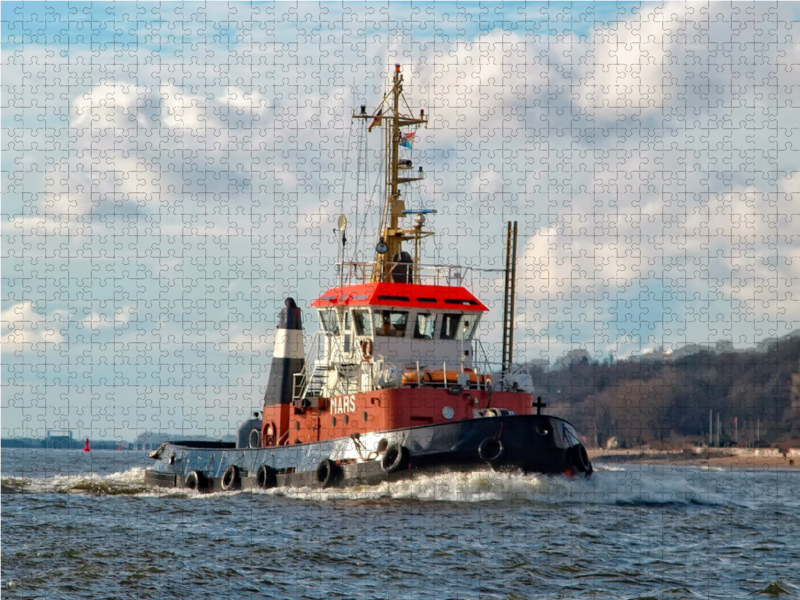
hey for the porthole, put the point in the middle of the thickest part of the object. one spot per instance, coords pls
(346, 419)
(364, 416)
(333, 421)
(297, 425)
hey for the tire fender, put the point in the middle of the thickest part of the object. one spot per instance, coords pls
(580, 458)
(266, 477)
(230, 478)
(327, 472)
(491, 450)
(196, 481)
(395, 458)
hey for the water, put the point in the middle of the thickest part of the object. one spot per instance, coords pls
(86, 526)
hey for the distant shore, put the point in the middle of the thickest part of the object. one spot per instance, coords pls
(727, 458)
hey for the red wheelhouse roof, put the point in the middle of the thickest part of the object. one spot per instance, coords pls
(401, 295)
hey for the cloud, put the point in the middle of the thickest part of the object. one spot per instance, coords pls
(26, 329)
(608, 145)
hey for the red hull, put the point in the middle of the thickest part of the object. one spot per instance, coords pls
(381, 410)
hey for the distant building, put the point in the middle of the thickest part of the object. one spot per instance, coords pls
(61, 439)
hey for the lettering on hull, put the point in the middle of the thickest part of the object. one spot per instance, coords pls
(343, 404)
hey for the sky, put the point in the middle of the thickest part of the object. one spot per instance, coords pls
(172, 171)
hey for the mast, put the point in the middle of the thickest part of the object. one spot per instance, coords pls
(393, 114)
(509, 294)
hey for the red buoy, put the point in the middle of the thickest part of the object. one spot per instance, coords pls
(86, 445)
(120, 446)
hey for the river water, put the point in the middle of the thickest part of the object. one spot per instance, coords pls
(78, 525)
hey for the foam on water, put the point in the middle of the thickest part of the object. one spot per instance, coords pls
(614, 485)
(487, 485)
(126, 483)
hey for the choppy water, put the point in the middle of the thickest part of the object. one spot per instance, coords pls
(85, 526)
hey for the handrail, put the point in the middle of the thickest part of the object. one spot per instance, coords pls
(355, 272)
(302, 380)
(483, 366)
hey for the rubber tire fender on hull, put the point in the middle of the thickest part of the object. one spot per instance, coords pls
(327, 473)
(266, 477)
(583, 463)
(491, 450)
(196, 481)
(230, 479)
(579, 458)
(395, 458)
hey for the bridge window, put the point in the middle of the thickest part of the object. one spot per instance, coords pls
(458, 327)
(330, 322)
(426, 326)
(390, 323)
(362, 321)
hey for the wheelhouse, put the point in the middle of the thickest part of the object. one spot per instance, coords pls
(400, 323)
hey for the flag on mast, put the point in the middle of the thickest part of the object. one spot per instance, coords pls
(376, 121)
(408, 140)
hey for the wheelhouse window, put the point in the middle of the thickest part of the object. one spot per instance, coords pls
(425, 326)
(362, 322)
(348, 337)
(390, 323)
(330, 322)
(458, 327)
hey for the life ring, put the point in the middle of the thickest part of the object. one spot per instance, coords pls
(230, 478)
(491, 450)
(580, 458)
(266, 477)
(196, 481)
(254, 440)
(326, 473)
(268, 435)
(395, 458)
(366, 349)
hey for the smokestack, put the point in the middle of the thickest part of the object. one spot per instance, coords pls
(289, 355)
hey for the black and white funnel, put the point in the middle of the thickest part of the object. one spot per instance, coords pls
(289, 355)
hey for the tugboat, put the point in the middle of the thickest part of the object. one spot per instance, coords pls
(394, 384)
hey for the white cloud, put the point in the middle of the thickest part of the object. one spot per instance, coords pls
(26, 329)
(108, 105)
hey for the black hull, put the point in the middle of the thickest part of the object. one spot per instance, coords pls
(530, 443)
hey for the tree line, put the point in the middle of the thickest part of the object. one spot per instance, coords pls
(667, 402)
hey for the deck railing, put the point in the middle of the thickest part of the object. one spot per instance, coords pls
(302, 380)
(353, 273)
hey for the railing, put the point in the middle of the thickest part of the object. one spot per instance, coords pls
(351, 273)
(315, 365)
(479, 357)
(302, 380)
(502, 381)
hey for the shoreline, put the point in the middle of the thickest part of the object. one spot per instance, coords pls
(733, 458)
